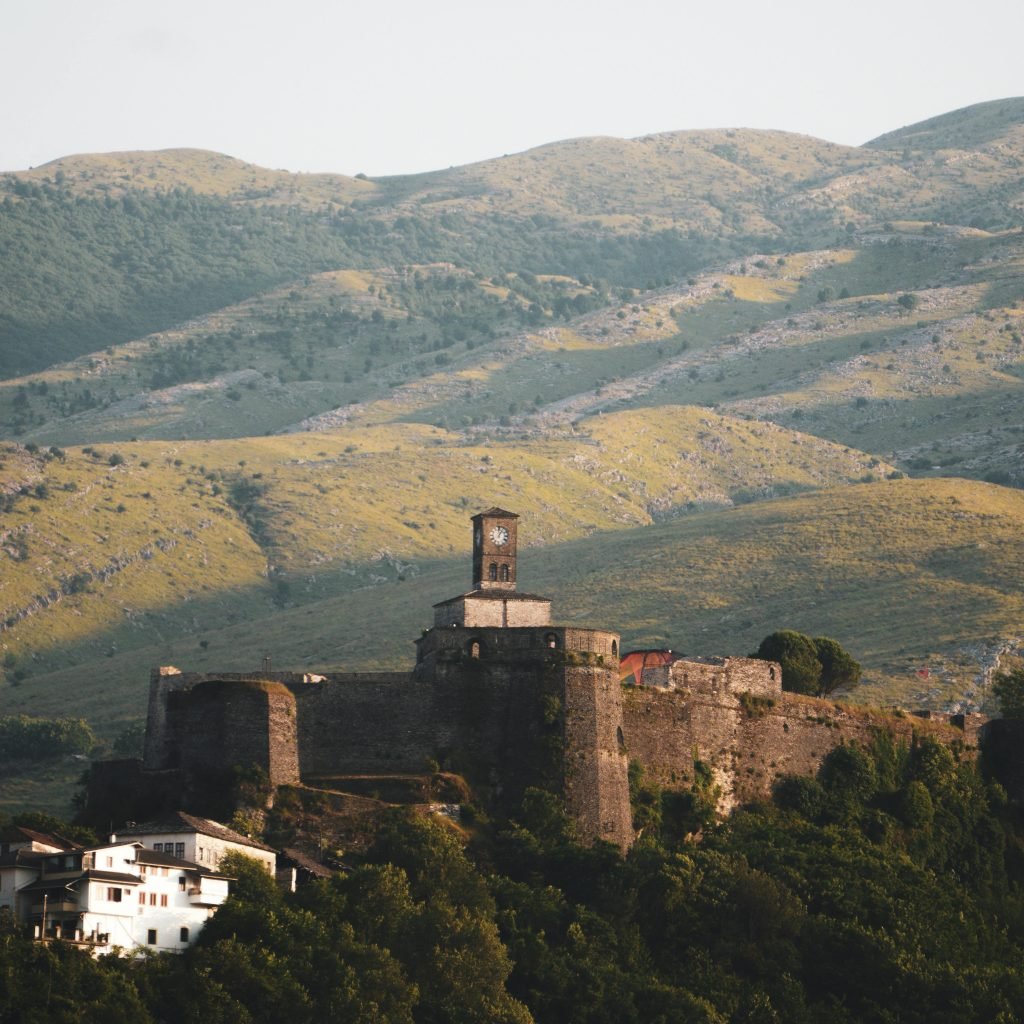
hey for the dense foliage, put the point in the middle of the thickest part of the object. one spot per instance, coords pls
(38, 738)
(887, 889)
(1009, 688)
(81, 273)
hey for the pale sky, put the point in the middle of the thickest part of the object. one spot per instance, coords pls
(414, 85)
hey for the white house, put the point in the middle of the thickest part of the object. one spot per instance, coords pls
(115, 895)
(199, 840)
(19, 858)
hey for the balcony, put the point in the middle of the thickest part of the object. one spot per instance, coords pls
(65, 905)
(200, 897)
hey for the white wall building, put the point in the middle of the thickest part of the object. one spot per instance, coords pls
(120, 894)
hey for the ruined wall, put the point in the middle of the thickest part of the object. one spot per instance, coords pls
(161, 735)
(749, 740)
(719, 676)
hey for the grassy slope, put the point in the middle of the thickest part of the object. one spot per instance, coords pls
(152, 548)
(908, 574)
(433, 391)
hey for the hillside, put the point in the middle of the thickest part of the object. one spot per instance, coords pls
(733, 381)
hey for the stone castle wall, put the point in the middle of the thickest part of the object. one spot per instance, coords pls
(497, 611)
(749, 740)
(510, 708)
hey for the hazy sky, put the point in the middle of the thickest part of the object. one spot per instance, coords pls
(412, 85)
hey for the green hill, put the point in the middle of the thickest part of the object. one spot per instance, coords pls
(250, 412)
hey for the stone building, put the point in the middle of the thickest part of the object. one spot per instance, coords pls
(510, 700)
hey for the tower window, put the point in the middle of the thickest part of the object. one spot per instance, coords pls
(474, 648)
(504, 573)
(492, 571)
(615, 649)
(551, 640)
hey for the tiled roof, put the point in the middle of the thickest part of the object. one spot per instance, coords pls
(20, 834)
(179, 822)
(100, 875)
(166, 860)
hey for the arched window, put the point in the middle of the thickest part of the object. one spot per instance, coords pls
(615, 649)
(474, 648)
(492, 571)
(504, 574)
(771, 672)
(551, 640)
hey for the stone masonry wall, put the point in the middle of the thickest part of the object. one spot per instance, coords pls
(365, 722)
(233, 723)
(493, 612)
(749, 741)
(596, 769)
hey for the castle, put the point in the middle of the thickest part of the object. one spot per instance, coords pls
(501, 695)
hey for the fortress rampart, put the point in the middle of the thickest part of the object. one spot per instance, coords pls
(732, 715)
(509, 700)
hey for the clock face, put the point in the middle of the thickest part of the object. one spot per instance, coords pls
(498, 535)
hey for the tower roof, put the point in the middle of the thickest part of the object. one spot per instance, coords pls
(495, 511)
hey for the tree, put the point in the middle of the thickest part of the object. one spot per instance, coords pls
(1009, 688)
(908, 301)
(838, 669)
(796, 653)
(815, 667)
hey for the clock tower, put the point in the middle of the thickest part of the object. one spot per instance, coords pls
(494, 550)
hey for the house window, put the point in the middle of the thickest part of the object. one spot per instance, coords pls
(179, 850)
(151, 937)
(142, 899)
(492, 571)
(114, 895)
(163, 899)
(110, 862)
(159, 847)
(152, 899)
(184, 935)
(181, 883)
(200, 853)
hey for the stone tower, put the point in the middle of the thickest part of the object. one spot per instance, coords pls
(530, 703)
(498, 694)
(494, 549)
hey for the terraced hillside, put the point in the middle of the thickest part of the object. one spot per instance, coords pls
(248, 413)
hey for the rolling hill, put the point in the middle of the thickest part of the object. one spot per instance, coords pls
(733, 381)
